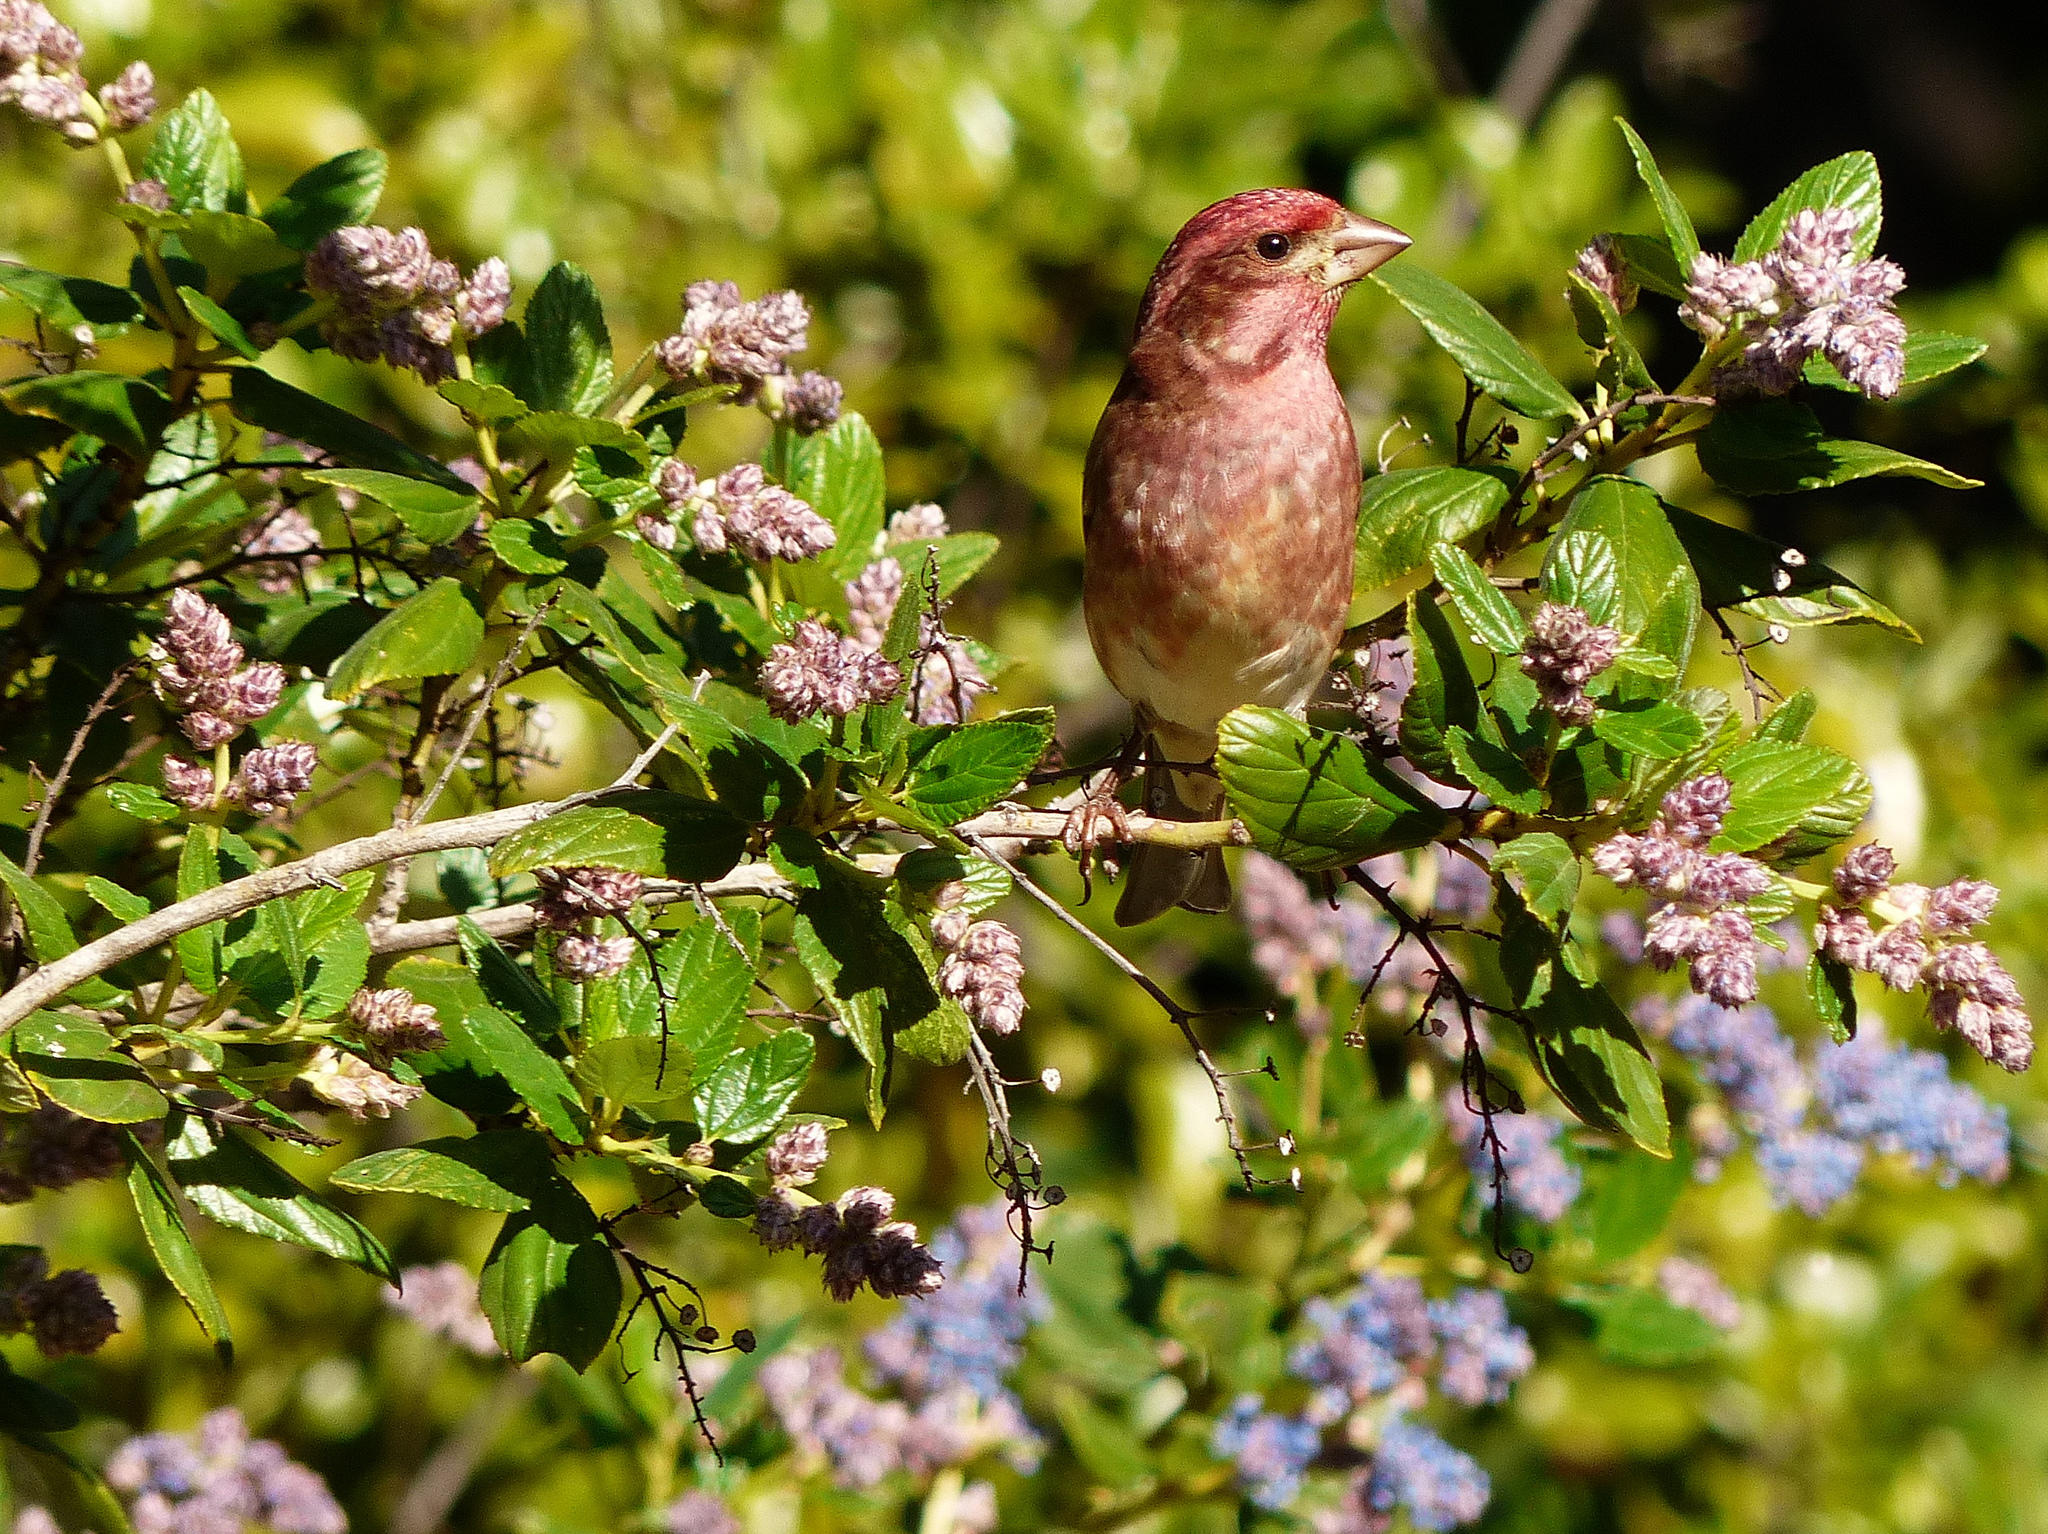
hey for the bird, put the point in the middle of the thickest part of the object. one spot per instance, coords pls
(1220, 502)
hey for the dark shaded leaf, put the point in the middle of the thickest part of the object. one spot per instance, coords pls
(551, 1284)
(334, 193)
(275, 405)
(1776, 447)
(500, 1169)
(126, 412)
(1594, 1060)
(1407, 512)
(435, 632)
(1740, 572)
(1482, 347)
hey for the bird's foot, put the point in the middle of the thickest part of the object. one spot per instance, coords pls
(1098, 824)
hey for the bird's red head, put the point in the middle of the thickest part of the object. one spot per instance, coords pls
(1256, 277)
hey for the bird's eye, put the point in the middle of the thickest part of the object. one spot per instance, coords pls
(1274, 247)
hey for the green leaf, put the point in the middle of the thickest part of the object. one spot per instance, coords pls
(1659, 596)
(530, 547)
(275, 405)
(194, 156)
(410, 498)
(1594, 1060)
(1546, 872)
(727, 1198)
(1313, 799)
(551, 1284)
(589, 836)
(223, 326)
(1630, 1201)
(1581, 570)
(435, 632)
(24, 436)
(163, 1226)
(1678, 230)
(1652, 262)
(1443, 694)
(499, 1169)
(49, 929)
(1652, 728)
(334, 193)
(706, 978)
(234, 1184)
(1389, 1134)
(746, 1095)
(558, 434)
(1641, 1327)
(1847, 181)
(636, 1071)
(1489, 766)
(492, 1039)
(1407, 512)
(231, 245)
(1484, 350)
(65, 303)
(126, 412)
(1810, 795)
(487, 402)
(959, 771)
(507, 984)
(1832, 990)
(700, 841)
(198, 870)
(568, 346)
(1740, 572)
(1929, 354)
(1485, 608)
(1788, 721)
(121, 904)
(1777, 447)
(1618, 365)
(75, 1065)
(839, 472)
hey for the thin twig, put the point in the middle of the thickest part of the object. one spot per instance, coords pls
(499, 673)
(55, 789)
(1181, 1017)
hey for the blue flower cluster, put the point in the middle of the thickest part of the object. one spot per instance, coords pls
(1815, 1121)
(1370, 1350)
(968, 1334)
(1540, 1181)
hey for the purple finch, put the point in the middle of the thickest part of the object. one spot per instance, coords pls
(1221, 500)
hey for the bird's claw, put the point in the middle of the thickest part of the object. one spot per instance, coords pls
(1097, 824)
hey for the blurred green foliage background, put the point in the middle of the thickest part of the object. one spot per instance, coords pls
(972, 196)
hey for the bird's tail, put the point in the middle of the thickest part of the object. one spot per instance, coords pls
(1160, 878)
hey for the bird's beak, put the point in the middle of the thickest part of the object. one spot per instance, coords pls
(1360, 245)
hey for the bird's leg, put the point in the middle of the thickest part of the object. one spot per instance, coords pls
(1100, 821)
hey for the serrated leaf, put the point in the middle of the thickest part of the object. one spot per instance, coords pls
(957, 771)
(334, 193)
(1678, 230)
(275, 405)
(635, 1071)
(1546, 871)
(746, 1095)
(232, 245)
(1594, 1060)
(839, 472)
(75, 1065)
(491, 1038)
(1405, 513)
(589, 836)
(1788, 721)
(1777, 447)
(1489, 766)
(234, 1184)
(1740, 572)
(407, 496)
(568, 346)
(1581, 571)
(1316, 800)
(163, 1227)
(487, 402)
(129, 413)
(1847, 181)
(1814, 795)
(551, 1284)
(1659, 596)
(1658, 729)
(1487, 612)
(1482, 347)
(122, 905)
(500, 1169)
(1443, 694)
(435, 632)
(1831, 988)
(530, 547)
(194, 156)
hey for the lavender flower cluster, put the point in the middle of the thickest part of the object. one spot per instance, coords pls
(200, 672)
(725, 339)
(1698, 919)
(861, 1241)
(1539, 1180)
(217, 1479)
(441, 1298)
(1368, 1355)
(281, 545)
(1698, 1288)
(1915, 946)
(737, 510)
(945, 1357)
(394, 299)
(1565, 650)
(1816, 1120)
(820, 672)
(983, 968)
(65, 1312)
(52, 1148)
(1809, 295)
(572, 901)
(39, 73)
(946, 678)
